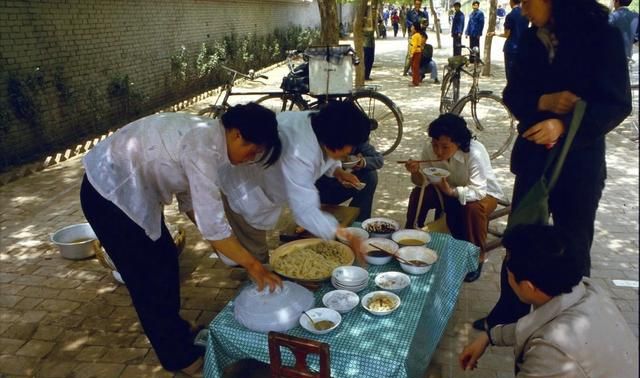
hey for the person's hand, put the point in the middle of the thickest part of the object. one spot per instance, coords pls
(262, 277)
(346, 179)
(470, 355)
(355, 243)
(444, 187)
(558, 102)
(360, 164)
(412, 166)
(546, 132)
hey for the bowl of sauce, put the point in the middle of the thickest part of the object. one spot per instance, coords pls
(420, 259)
(375, 256)
(320, 320)
(406, 238)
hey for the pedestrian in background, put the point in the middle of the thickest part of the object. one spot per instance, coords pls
(457, 27)
(418, 39)
(475, 25)
(403, 20)
(514, 26)
(626, 21)
(395, 20)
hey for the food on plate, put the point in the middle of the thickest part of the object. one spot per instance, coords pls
(411, 242)
(323, 325)
(380, 227)
(316, 261)
(381, 303)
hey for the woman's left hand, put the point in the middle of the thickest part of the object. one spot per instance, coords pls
(345, 178)
(546, 132)
(445, 188)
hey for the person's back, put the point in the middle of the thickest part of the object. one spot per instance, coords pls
(625, 20)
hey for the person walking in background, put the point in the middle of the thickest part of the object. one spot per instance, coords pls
(457, 27)
(625, 20)
(414, 15)
(554, 68)
(418, 39)
(514, 26)
(369, 46)
(475, 25)
(395, 20)
(500, 15)
(403, 20)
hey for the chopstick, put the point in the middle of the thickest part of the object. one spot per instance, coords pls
(417, 161)
(393, 254)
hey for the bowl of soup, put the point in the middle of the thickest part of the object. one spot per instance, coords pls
(320, 320)
(435, 174)
(374, 255)
(419, 259)
(407, 238)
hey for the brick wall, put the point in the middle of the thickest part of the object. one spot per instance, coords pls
(73, 49)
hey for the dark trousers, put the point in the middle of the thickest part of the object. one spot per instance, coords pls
(395, 30)
(573, 204)
(151, 272)
(369, 55)
(509, 59)
(457, 45)
(334, 193)
(474, 42)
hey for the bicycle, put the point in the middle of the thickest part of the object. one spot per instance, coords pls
(386, 118)
(493, 122)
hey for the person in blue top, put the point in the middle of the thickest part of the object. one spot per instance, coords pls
(625, 20)
(457, 27)
(475, 25)
(514, 26)
(414, 15)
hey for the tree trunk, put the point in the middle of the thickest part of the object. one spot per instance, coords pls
(358, 25)
(329, 30)
(486, 70)
(436, 22)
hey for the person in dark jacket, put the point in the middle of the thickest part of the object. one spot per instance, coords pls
(554, 69)
(514, 26)
(475, 25)
(457, 27)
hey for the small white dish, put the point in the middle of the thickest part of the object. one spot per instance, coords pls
(350, 275)
(320, 314)
(342, 301)
(350, 162)
(422, 254)
(434, 174)
(392, 281)
(380, 302)
(376, 257)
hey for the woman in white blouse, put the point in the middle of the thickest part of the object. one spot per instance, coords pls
(470, 191)
(129, 178)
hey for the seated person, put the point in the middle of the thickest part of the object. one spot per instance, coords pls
(428, 65)
(469, 193)
(574, 329)
(334, 192)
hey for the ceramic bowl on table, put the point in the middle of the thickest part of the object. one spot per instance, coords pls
(393, 281)
(351, 278)
(375, 256)
(422, 258)
(380, 302)
(434, 174)
(355, 231)
(380, 227)
(406, 238)
(76, 242)
(324, 319)
(342, 301)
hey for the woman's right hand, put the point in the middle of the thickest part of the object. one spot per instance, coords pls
(558, 102)
(262, 277)
(412, 166)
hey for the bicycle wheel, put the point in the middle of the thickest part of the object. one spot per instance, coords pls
(449, 91)
(280, 103)
(493, 123)
(386, 120)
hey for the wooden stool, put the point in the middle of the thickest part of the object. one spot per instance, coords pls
(300, 348)
(499, 212)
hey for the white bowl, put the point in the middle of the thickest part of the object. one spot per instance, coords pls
(76, 242)
(426, 255)
(403, 236)
(350, 275)
(435, 174)
(383, 258)
(342, 301)
(356, 231)
(319, 314)
(370, 300)
(392, 281)
(350, 162)
(354, 289)
(380, 227)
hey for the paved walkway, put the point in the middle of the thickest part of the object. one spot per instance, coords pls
(61, 318)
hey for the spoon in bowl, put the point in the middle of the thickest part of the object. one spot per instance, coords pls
(402, 260)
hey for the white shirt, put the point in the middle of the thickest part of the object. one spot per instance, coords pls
(471, 173)
(142, 165)
(259, 194)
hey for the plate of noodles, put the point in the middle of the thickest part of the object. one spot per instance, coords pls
(310, 259)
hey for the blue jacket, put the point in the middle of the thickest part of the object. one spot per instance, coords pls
(476, 24)
(516, 23)
(457, 25)
(413, 16)
(626, 21)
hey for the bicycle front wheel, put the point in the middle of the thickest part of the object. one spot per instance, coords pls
(490, 120)
(449, 91)
(280, 103)
(386, 120)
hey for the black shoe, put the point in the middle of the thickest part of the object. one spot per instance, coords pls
(436, 81)
(475, 274)
(479, 324)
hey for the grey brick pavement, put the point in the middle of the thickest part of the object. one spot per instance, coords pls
(61, 318)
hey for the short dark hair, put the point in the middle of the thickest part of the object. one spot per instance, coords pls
(538, 253)
(475, 2)
(454, 127)
(457, 4)
(340, 123)
(624, 3)
(257, 125)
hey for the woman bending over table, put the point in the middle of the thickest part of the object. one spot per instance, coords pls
(129, 178)
(470, 192)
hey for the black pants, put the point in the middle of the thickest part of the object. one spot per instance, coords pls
(474, 42)
(369, 55)
(395, 30)
(457, 45)
(509, 59)
(151, 272)
(334, 193)
(573, 204)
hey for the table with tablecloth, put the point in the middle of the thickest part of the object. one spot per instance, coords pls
(397, 345)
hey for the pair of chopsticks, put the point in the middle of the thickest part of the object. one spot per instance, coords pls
(407, 262)
(418, 161)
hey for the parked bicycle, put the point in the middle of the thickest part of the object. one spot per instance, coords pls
(386, 118)
(493, 122)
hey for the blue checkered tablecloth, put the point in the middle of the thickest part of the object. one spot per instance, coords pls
(397, 345)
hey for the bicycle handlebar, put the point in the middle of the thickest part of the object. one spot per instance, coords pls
(473, 52)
